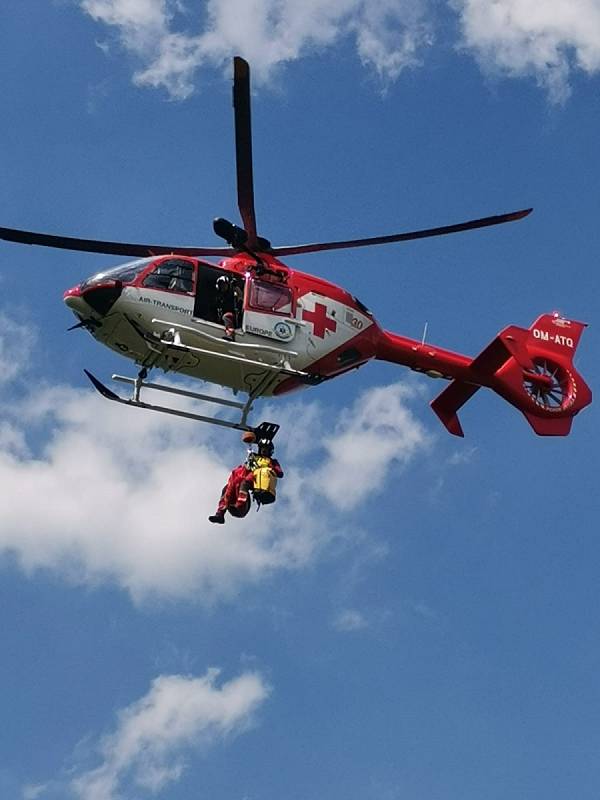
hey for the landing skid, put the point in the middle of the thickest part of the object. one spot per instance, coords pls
(266, 430)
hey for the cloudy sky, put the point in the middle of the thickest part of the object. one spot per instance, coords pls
(418, 617)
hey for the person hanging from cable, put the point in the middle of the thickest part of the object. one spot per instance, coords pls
(256, 477)
(265, 472)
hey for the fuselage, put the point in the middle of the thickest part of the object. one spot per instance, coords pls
(283, 318)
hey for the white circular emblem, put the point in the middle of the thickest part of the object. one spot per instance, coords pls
(283, 330)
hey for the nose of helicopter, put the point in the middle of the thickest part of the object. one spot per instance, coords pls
(86, 299)
(74, 300)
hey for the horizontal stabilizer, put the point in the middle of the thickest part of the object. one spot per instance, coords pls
(548, 426)
(509, 343)
(446, 404)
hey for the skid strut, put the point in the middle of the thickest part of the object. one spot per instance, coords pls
(267, 429)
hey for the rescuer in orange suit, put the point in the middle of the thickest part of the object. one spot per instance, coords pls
(235, 496)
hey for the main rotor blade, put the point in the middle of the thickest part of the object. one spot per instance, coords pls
(243, 147)
(402, 237)
(110, 248)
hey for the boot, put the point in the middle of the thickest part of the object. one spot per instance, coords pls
(218, 518)
(229, 323)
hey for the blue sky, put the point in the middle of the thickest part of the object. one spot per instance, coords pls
(417, 617)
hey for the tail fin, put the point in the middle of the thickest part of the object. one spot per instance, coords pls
(532, 369)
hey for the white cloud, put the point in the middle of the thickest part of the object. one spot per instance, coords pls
(526, 37)
(370, 437)
(140, 21)
(33, 791)
(112, 496)
(146, 751)
(14, 360)
(463, 456)
(389, 34)
(97, 492)
(349, 619)
(547, 40)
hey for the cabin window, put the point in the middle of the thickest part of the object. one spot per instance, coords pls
(173, 275)
(271, 297)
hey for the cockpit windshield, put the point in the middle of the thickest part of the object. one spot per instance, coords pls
(124, 272)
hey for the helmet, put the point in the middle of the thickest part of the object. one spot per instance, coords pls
(248, 437)
(265, 448)
(222, 283)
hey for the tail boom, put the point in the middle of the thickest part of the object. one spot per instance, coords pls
(530, 368)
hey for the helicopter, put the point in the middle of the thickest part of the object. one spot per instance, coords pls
(290, 329)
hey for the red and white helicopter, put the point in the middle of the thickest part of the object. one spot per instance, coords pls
(293, 329)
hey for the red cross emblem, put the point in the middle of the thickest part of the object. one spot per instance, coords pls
(320, 320)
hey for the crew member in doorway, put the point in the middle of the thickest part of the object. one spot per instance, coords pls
(228, 303)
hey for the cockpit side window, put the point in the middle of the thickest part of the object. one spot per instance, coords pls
(173, 275)
(271, 297)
